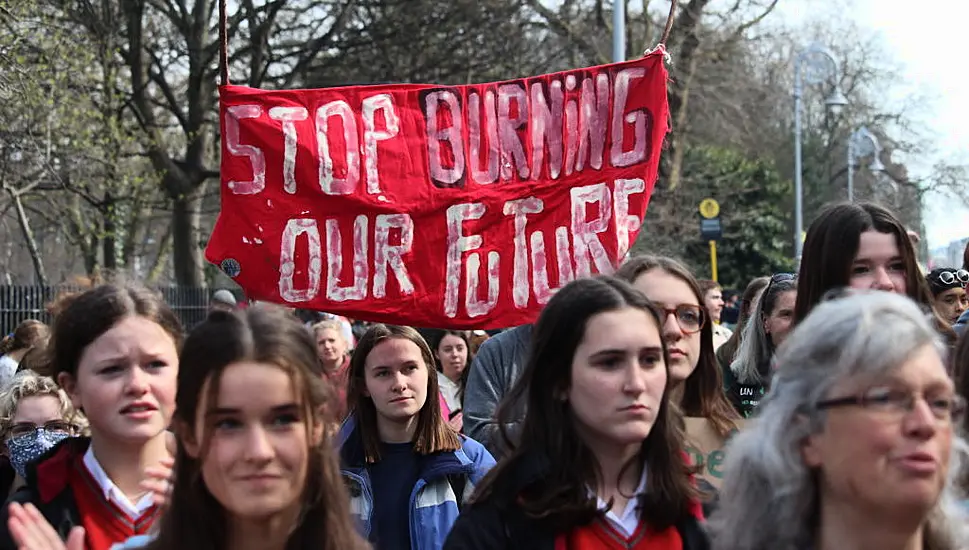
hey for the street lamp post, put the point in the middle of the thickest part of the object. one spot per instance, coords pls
(618, 31)
(861, 144)
(822, 66)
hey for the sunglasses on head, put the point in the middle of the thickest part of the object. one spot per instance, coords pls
(779, 278)
(951, 277)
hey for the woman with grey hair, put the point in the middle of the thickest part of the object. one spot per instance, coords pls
(855, 446)
(770, 322)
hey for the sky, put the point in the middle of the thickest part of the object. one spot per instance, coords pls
(929, 40)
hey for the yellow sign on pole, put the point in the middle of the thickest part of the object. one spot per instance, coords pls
(713, 260)
(709, 208)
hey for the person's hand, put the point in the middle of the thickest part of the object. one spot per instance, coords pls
(160, 479)
(30, 531)
(456, 422)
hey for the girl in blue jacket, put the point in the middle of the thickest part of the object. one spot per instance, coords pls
(408, 472)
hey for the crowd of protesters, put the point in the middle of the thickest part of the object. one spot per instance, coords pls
(840, 392)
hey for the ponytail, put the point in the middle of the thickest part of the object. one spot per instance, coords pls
(25, 336)
(6, 345)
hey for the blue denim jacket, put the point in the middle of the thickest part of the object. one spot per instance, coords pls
(434, 506)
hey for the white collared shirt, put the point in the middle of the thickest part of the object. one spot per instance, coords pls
(449, 390)
(111, 491)
(627, 521)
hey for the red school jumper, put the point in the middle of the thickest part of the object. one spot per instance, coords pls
(104, 523)
(601, 535)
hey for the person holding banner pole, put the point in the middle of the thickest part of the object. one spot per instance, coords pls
(409, 473)
(599, 462)
(856, 444)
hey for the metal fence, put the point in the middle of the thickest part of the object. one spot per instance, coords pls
(18, 303)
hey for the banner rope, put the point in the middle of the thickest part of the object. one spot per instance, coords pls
(666, 36)
(224, 44)
(669, 24)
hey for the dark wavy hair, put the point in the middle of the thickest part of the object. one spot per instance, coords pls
(561, 498)
(703, 394)
(266, 334)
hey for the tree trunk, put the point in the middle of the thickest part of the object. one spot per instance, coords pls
(678, 138)
(109, 244)
(85, 238)
(90, 253)
(164, 249)
(135, 220)
(186, 233)
(32, 247)
(684, 44)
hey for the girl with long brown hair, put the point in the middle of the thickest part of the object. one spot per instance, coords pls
(409, 473)
(255, 468)
(863, 246)
(598, 462)
(697, 383)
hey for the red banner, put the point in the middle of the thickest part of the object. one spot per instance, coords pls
(437, 206)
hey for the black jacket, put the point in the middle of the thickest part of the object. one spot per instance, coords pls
(54, 497)
(496, 523)
(746, 397)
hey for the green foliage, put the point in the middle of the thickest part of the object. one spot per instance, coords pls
(78, 165)
(756, 231)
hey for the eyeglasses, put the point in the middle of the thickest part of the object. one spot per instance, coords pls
(689, 317)
(950, 277)
(898, 403)
(29, 428)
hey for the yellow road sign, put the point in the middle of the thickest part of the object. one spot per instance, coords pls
(709, 208)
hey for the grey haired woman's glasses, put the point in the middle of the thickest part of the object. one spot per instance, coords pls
(897, 403)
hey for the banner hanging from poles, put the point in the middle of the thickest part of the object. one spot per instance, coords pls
(437, 206)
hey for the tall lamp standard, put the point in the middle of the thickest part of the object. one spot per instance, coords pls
(618, 31)
(862, 143)
(821, 66)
